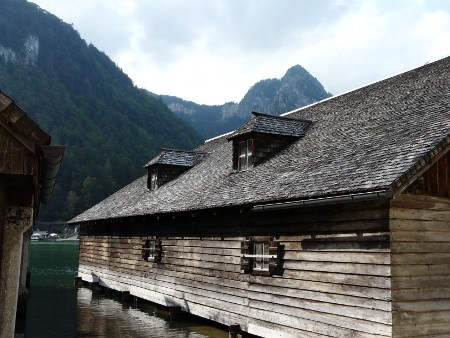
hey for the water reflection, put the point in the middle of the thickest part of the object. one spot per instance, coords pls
(57, 309)
(100, 315)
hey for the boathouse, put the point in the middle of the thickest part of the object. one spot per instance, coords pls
(330, 221)
(28, 170)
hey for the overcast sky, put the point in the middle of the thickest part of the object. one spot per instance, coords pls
(212, 51)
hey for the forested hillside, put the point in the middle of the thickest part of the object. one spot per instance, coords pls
(83, 100)
(297, 88)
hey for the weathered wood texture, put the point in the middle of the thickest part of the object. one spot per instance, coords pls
(265, 145)
(334, 283)
(166, 173)
(435, 181)
(15, 158)
(420, 257)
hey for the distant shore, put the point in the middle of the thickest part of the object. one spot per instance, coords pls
(74, 238)
(68, 239)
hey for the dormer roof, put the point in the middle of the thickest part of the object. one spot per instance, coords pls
(273, 125)
(174, 157)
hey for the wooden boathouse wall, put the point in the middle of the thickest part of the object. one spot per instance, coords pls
(336, 277)
(420, 255)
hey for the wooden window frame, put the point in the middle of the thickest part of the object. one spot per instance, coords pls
(244, 150)
(261, 256)
(274, 256)
(151, 250)
(153, 178)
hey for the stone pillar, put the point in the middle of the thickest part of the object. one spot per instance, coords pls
(22, 298)
(14, 222)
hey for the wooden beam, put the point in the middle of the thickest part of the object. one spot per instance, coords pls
(234, 330)
(78, 281)
(175, 311)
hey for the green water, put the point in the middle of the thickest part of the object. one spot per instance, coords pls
(57, 309)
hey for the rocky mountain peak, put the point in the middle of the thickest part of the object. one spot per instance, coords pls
(297, 88)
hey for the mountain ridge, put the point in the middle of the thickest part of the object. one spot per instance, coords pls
(297, 88)
(80, 97)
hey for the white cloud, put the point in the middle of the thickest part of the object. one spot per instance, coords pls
(213, 51)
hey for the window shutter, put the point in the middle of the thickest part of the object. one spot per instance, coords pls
(158, 251)
(275, 249)
(246, 262)
(144, 252)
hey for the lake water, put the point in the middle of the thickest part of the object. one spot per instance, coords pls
(57, 309)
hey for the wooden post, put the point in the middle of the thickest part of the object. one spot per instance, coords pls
(78, 281)
(175, 311)
(125, 295)
(234, 330)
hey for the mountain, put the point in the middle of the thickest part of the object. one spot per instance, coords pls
(83, 100)
(297, 88)
(209, 121)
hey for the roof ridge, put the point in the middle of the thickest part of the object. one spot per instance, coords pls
(219, 136)
(183, 151)
(426, 64)
(280, 117)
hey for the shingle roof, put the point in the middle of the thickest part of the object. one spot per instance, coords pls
(365, 140)
(274, 125)
(181, 158)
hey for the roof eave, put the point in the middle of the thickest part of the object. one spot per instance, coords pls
(355, 197)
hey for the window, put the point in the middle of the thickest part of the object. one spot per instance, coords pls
(154, 179)
(261, 256)
(245, 155)
(151, 250)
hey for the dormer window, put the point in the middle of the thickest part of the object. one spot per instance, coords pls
(153, 179)
(245, 160)
(170, 164)
(263, 136)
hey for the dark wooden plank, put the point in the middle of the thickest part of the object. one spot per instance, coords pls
(442, 177)
(447, 155)
(433, 172)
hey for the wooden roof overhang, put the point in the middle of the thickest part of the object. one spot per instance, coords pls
(421, 166)
(47, 158)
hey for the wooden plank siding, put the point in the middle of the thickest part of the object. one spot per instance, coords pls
(15, 158)
(420, 258)
(435, 181)
(334, 283)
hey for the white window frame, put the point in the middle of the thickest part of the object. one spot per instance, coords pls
(261, 256)
(150, 246)
(245, 155)
(153, 178)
